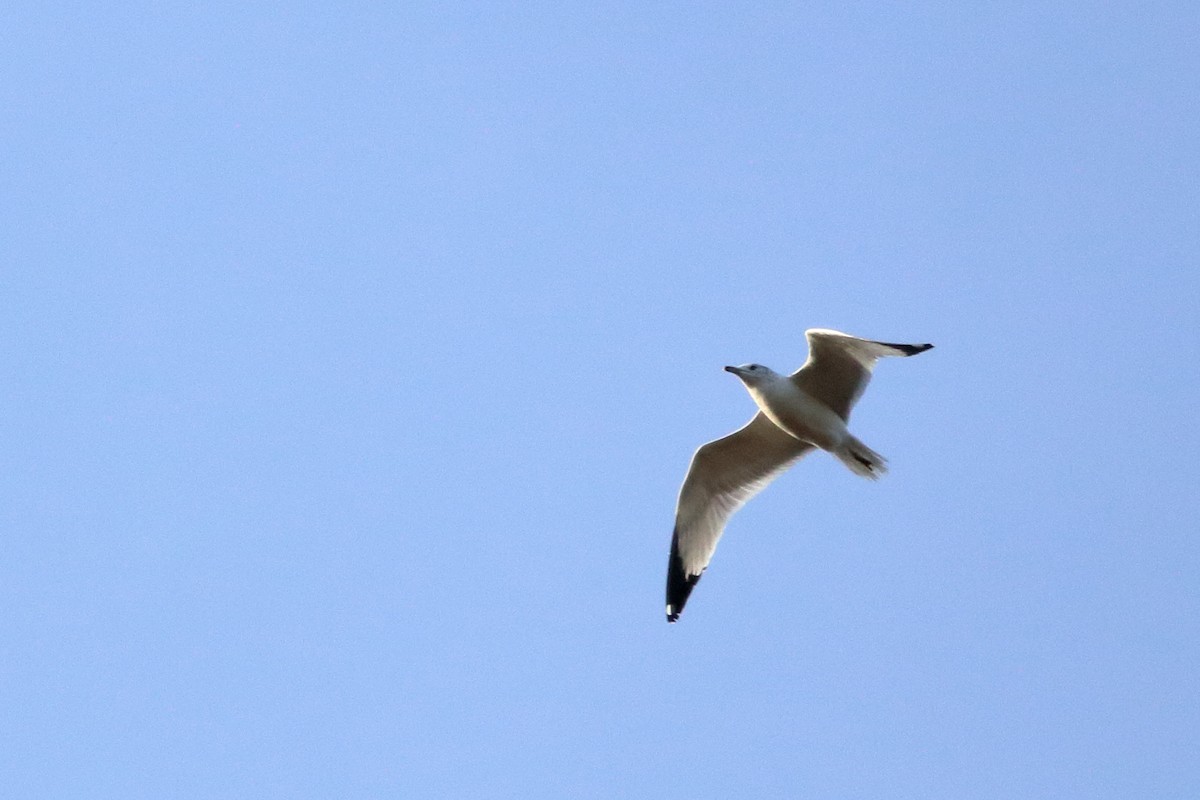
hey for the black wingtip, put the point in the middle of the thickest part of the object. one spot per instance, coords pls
(679, 583)
(908, 349)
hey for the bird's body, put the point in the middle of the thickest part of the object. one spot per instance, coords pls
(795, 412)
(810, 408)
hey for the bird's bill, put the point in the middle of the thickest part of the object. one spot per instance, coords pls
(734, 370)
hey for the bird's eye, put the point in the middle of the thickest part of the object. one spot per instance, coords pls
(753, 367)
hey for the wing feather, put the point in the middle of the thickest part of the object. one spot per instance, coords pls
(839, 366)
(723, 475)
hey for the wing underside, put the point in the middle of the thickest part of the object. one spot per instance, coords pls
(723, 475)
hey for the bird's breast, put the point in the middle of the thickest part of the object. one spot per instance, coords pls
(802, 416)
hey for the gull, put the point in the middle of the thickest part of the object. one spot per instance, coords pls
(809, 408)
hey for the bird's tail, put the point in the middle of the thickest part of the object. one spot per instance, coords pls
(861, 459)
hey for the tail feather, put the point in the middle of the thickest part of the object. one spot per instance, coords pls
(861, 459)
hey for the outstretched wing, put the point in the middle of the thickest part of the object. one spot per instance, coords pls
(839, 366)
(724, 474)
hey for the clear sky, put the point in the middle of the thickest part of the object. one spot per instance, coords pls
(353, 355)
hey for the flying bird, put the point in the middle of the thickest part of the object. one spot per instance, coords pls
(809, 408)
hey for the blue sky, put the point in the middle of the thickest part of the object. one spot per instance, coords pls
(354, 357)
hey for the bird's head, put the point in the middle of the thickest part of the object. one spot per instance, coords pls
(754, 374)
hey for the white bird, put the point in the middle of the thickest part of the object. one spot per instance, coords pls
(809, 408)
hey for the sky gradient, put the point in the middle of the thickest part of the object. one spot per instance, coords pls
(354, 358)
